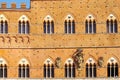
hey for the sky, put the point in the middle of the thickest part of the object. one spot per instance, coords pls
(18, 2)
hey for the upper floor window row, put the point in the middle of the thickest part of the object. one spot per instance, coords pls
(69, 25)
(90, 25)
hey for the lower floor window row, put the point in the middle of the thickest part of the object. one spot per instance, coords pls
(69, 70)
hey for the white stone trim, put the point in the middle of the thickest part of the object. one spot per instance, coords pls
(69, 61)
(23, 61)
(90, 60)
(48, 61)
(23, 18)
(112, 60)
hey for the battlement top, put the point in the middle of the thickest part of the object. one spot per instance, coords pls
(13, 5)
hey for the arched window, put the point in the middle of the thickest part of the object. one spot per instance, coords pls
(48, 25)
(90, 24)
(111, 24)
(69, 69)
(3, 25)
(23, 69)
(69, 25)
(48, 69)
(3, 68)
(112, 68)
(90, 68)
(24, 26)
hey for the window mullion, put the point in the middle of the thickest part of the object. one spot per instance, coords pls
(113, 26)
(25, 71)
(92, 70)
(110, 70)
(50, 71)
(67, 27)
(71, 70)
(21, 71)
(92, 26)
(67, 71)
(25, 28)
(71, 26)
(46, 27)
(3, 71)
(109, 26)
(88, 27)
(46, 71)
(21, 28)
(114, 69)
(0, 27)
(50, 27)
(3, 27)
(88, 70)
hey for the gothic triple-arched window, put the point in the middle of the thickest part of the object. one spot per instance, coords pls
(112, 68)
(3, 68)
(69, 25)
(48, 25)
(3, 25)
(69, 69)
(90, 68)
(23, 69)
(90, 24)
(111, 24)
(24, 26)
(48, 69)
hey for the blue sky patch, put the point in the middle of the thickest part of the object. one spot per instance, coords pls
(18, 2)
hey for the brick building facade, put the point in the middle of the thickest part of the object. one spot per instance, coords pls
(60, 39)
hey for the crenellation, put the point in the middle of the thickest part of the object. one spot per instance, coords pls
(23, 6)
(13, 6)
(4, 5)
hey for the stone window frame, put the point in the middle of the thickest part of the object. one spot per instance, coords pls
(23, 25)
(3, 24)
(3, 68)
(23, 69)
(91, 68)
(112, 68)
(111, 23)
(69, 68)
(48, 25)
(48, 69)
(69, 25)
(90, 25)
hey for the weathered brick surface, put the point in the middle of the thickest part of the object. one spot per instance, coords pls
(37, 46)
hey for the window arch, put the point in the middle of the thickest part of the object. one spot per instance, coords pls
(48, 69)
(112, 68)
(69, 25)
(90, 24)
(69, 69)
(3, 25)
(111, 24)
(3, 68)
(23, 70)
(24, 26)
(90, 68)
(48, 25)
